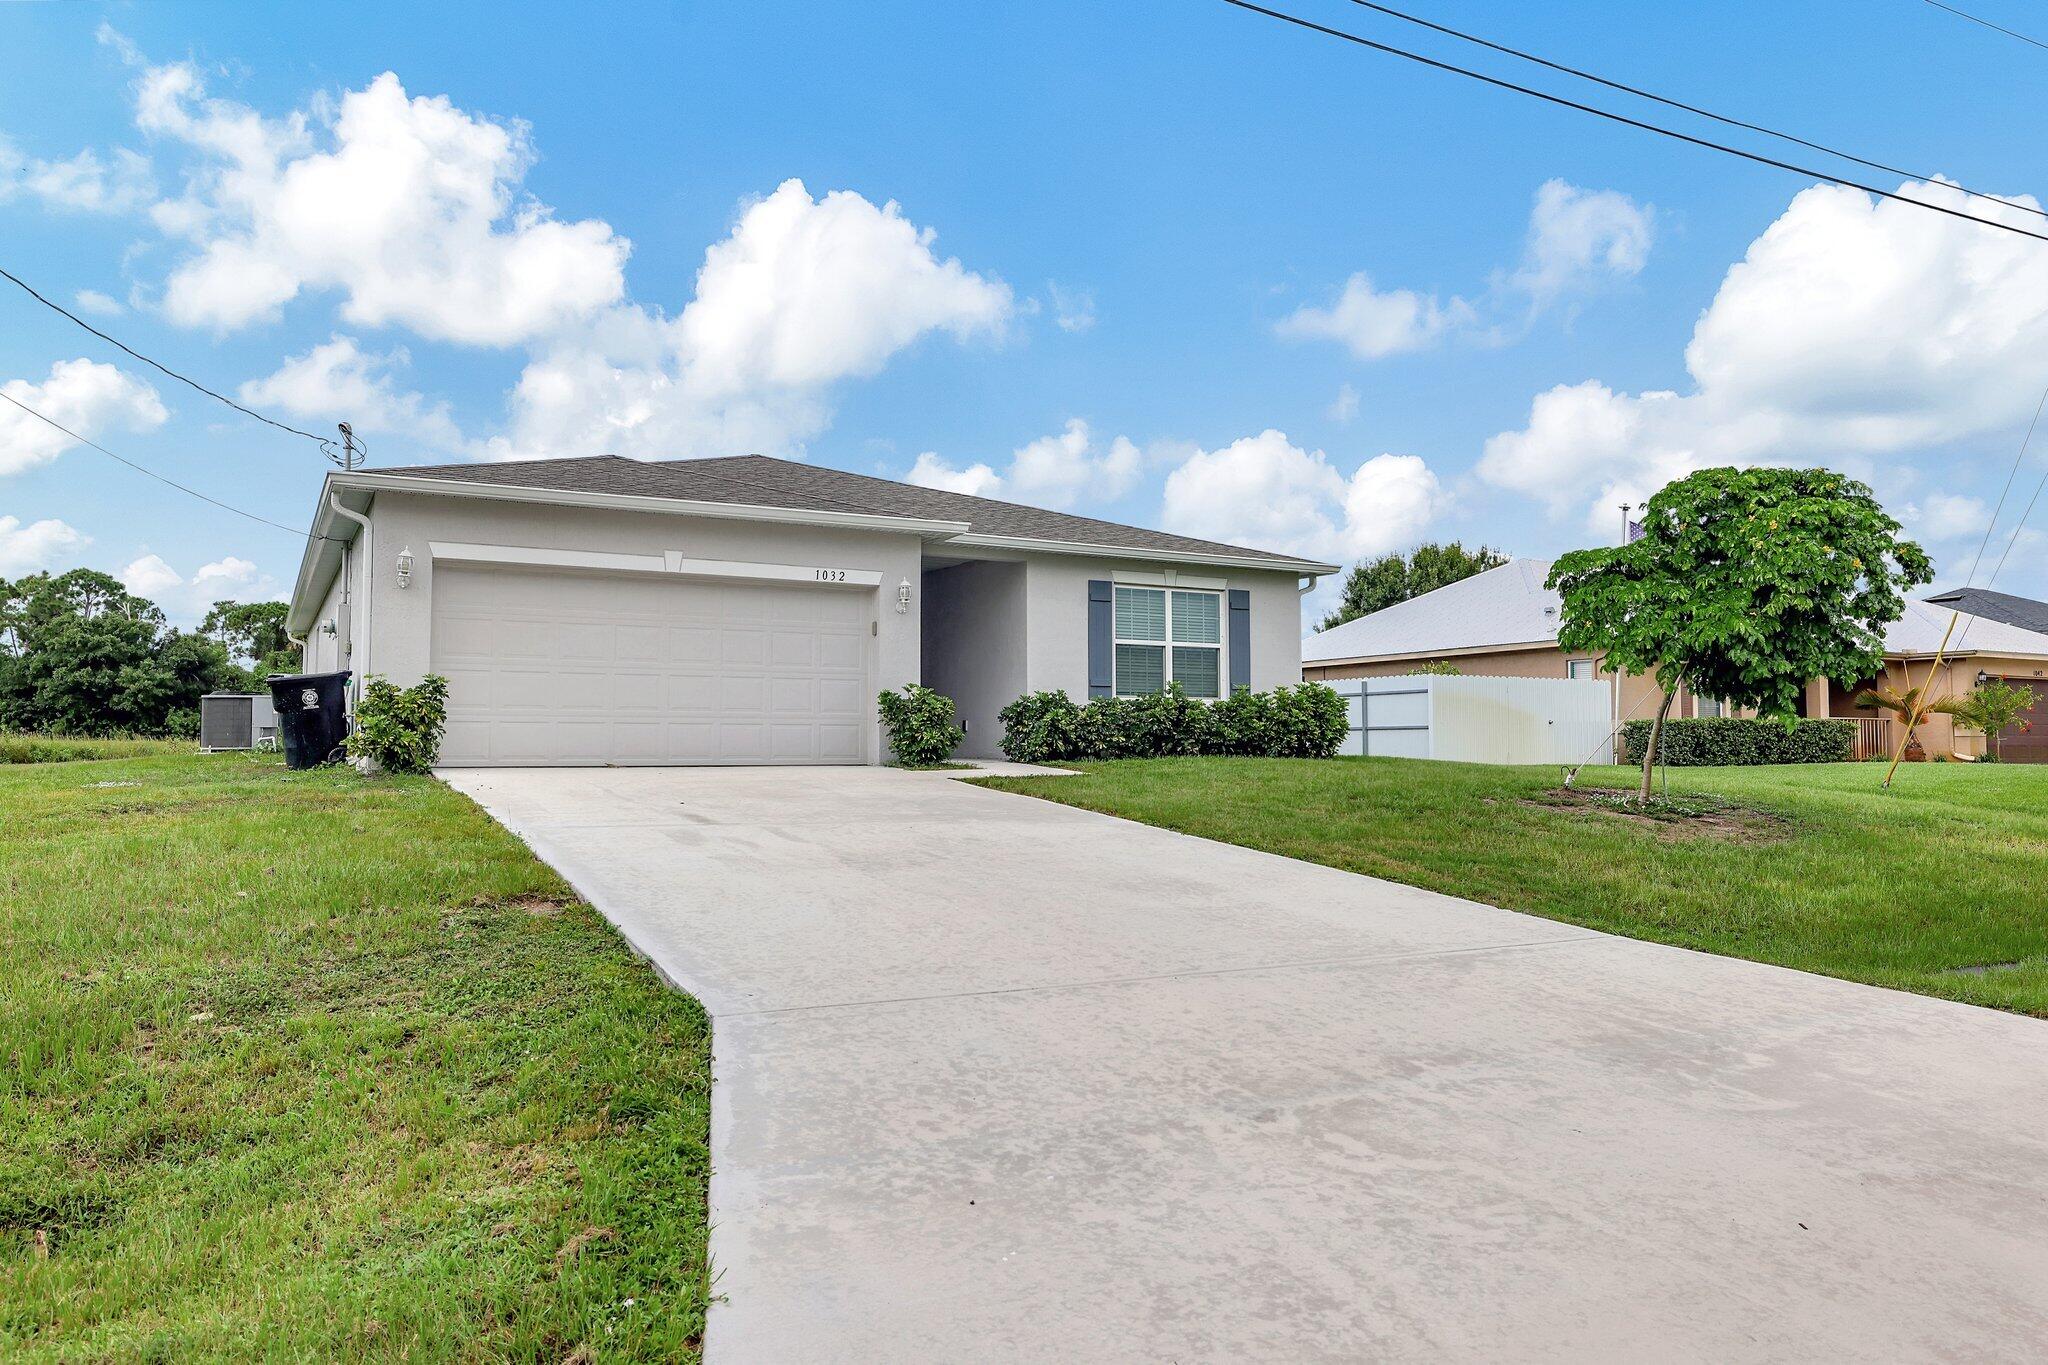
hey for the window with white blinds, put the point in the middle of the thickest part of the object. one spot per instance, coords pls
(1166, 635)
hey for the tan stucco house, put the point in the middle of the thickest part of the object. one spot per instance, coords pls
(747, 610)
(1503, 622)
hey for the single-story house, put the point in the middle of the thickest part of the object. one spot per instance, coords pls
(1503, 623)
(747, 610)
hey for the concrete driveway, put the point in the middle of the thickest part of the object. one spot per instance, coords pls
(999, 1080)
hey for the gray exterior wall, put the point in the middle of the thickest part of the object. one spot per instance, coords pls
(1001, 627)
(402, 619)
(326, 653)
(1056, 620)
(974, 617)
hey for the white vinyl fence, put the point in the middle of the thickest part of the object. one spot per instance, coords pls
(1480, 720)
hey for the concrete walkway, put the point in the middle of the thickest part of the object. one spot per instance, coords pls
(998, 1080)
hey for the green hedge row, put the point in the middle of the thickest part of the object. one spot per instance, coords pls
(1729, 741)
(1308, 721)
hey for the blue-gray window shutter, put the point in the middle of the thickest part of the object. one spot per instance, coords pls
(1101, 637)
(1240, 638)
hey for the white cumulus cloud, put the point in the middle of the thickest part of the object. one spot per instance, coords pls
(88, 397)
(1578, 236)
(1577, 239)
(37, 546)
(976, 480)
(1054, 471)
(338, 379)
(1266, 492)
(87, 182)
(184, 599)
(803, 294)
(1853, 328)
(1373, 324)
(409, 206)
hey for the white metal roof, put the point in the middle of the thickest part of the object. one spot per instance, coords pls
(1509, 606)
(1503, 606)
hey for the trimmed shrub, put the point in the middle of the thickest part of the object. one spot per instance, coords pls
(399, 728)
(920, 726)
(1730, 741)
(1308, 721)
(1040, 725)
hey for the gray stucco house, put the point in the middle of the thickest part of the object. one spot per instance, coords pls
(746, 610)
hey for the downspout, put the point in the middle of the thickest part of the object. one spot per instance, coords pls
(369, 597)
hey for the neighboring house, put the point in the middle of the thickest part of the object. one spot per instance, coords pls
(1503, 623)
(747, 610)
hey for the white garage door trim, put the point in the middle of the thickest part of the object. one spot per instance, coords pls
(668, 561)
(553, 666)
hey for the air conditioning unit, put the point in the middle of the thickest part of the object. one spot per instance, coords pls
(236, 720)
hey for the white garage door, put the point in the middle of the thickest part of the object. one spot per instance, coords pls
(552, 667)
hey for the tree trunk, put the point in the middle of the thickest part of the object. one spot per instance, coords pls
(1650, 749)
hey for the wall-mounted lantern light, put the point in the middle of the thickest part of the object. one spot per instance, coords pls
(405, 567)
(327, 627)
(903, 598)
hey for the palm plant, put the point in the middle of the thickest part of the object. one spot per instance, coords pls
(1911, 706)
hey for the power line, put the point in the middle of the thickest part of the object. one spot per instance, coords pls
(1613, 117)
(1641, 93)
(2000, 28)
(321, 441)
(2018, 526)
(122, 459)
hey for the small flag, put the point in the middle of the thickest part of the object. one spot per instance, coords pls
(1635, 532)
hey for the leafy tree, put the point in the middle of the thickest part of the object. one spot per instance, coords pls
(1744, 584)
(86, 656)
(1992, 706)
(1375, 584)
(254, 636)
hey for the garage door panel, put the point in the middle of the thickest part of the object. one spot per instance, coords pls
(693, 645)
(637, 692)
(842, 652)
(549, 667)
(840, 698)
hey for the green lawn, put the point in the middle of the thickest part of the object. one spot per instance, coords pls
(1947, 871)
(302, 1067)
(19, 748)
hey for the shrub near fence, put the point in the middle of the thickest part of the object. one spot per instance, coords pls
(1730, 742)
(1308, 721)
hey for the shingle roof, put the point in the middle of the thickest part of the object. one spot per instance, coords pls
(2024, 612)
(1503, 606)
(1509, 606)
(761, 481)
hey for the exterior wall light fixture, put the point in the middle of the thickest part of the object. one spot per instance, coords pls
(903, 598)
(405, 567)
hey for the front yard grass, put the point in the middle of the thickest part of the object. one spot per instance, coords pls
(1939, 886)
(300, 1066)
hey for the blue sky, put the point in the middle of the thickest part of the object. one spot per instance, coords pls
(1294, 294)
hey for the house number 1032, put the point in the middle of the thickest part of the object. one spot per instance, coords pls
(830, 575)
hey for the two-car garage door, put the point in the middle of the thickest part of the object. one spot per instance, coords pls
(552, 667)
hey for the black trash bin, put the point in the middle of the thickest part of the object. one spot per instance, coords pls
(312, 716)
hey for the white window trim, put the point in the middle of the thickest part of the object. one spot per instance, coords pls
(1222, 645)
(1592, 667)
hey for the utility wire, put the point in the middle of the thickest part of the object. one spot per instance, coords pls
(1613, 117)
(1640, 93)
(192, 492)
(12, 278)
(2018, 526)
(2000, 28)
